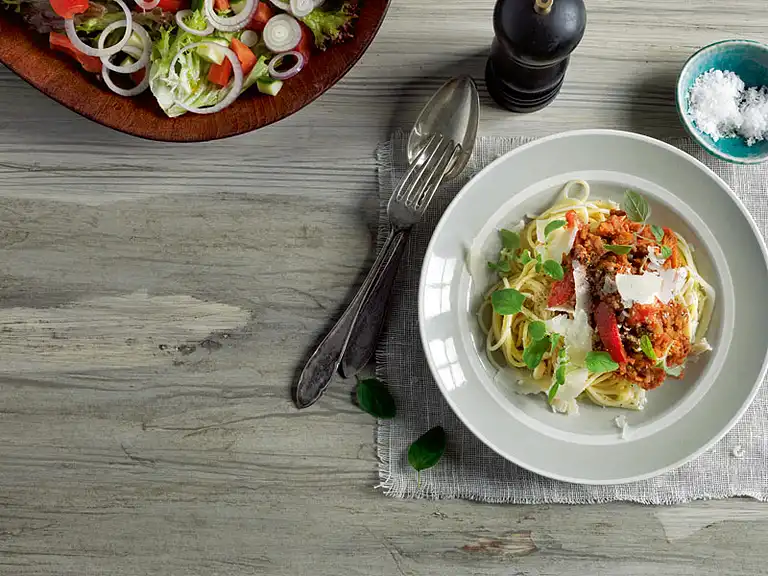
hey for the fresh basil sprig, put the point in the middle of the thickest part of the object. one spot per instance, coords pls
(553, 269)
(647, 347)
(666, 252)
(599, 362)
(620, 249)
(552, 226)
(636, 207)
(658, 233)
(507, 301)
(373, 396)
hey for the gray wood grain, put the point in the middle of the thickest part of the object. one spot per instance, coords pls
(157, 300)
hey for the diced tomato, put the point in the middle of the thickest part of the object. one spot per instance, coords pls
(220, 73)
(61, 43)
(670, 240)
(572, 219)
(306, 43)
(68, 8)
(244, 54)
(260, 17)
(173, 6)
(221, 5)
(608, 329)
(562, 290)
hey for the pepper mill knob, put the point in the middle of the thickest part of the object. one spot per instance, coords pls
(531, 49)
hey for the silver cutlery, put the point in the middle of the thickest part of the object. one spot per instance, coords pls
(439, 145)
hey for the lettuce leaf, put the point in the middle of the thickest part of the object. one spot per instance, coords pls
(332, 26)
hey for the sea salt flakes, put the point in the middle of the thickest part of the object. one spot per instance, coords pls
(720, 105)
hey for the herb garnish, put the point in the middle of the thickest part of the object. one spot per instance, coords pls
(427, 450)
(666, 252)
(501, 266)
(510, 240)
(562, 366)
(636, 207)
(598, 362)
(373, 396)
(554, 269)
(658, 233)
(507, 302)
(534, 353)
(552, 226)
(619, 249)
(537, 330)
(647, 347)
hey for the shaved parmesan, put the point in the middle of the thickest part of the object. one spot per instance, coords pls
(570, 407)
(668, 285)
(621, 423)
(640, 289)
(576, 334)
(700, 347)
(559, 242)
(583, 297)
(575, 383)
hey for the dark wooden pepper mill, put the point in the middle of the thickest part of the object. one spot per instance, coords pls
(530, 53)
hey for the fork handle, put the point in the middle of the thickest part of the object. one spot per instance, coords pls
(366, 330)
(319, 370)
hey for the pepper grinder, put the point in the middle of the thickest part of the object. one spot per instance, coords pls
(531, 49)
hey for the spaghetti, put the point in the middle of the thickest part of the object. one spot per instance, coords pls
(593, 302)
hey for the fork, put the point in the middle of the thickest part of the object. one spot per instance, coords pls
(406, 207)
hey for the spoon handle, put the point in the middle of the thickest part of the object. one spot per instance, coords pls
(365, 332)
(319, 370)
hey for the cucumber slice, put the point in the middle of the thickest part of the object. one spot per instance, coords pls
(135, 40)
(238, 6)
(211, 53)
(269, 86)
(127, 61)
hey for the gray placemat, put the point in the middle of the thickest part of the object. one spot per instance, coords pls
(736, 466)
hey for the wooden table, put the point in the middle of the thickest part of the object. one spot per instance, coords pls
(158, 300)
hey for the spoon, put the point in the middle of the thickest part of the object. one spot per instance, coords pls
(453, 112)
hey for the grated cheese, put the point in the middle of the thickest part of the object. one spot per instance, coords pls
(721, 106)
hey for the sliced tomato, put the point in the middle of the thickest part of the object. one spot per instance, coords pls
(608, 329)
(572, 219)
(563, 290)
(260, 17)
(244, 54)
(220, 73)
(221, 5)
(173, 6)
(68, 8)
(61, 43)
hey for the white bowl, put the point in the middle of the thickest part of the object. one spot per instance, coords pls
(682, 418)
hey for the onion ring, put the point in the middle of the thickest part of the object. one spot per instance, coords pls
(281, 33)
(237, 82)
(292, 71)
(143, 59)
(284, 6)
(69, 26)
(233, 23)
(135, 91)
(300, 8)
(181, 14)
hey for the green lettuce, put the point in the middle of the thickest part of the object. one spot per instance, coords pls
(188, 82)
(332, 26)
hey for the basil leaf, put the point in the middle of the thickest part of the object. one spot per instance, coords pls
(507, 302)
(647, 347)
(500, 266)
(618, 248)
(658, 233)
(534, 353)
(538, 258)
(373, 396)
(537, 330)
(598, 362)
(555, 341)
(553, 268)
(666, 252)
(525, 257)
(559, 381)
(427, 450)
(636, 207)
(510, 240)
(552, 226)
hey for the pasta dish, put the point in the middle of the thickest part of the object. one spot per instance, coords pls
(594, 302)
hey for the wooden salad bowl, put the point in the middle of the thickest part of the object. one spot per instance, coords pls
(26, 52)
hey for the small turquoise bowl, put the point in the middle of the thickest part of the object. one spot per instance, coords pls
(749, 60)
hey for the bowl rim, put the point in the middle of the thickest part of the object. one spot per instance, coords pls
(682, 113)
(750, 396)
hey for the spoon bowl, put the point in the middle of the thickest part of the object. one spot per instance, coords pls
(452, 112)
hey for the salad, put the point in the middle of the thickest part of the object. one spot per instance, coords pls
(194, 56)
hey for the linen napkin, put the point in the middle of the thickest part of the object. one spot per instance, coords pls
(736, 466)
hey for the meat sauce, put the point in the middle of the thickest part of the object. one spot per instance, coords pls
(664, 324)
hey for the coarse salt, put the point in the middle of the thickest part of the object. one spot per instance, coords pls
(721, 106)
